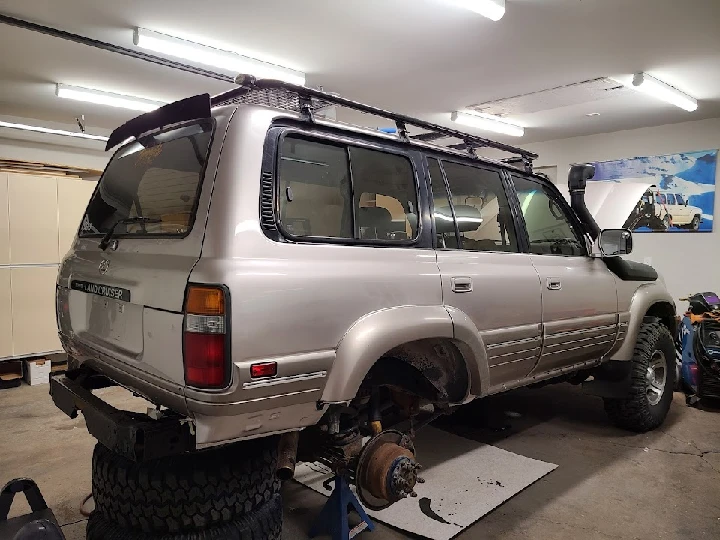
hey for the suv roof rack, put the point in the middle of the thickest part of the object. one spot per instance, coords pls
(308, 101)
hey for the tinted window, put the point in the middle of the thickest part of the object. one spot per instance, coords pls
(338, 191)
(670, 198)
(157, 177)
(660, 198)
(481, 208)
(679, 199)
(444, 223)
(549, 228)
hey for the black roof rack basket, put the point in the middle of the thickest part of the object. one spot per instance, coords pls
(307, 101)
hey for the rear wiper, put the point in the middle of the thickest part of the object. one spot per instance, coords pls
(105, 242)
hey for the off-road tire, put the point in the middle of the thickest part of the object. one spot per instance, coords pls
(666, 223)
(189, 492)
(636, 412)
(265, 523)
(695, 223)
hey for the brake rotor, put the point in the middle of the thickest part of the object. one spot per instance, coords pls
(386, 470)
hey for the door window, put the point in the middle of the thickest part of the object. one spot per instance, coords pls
(679, 199)
(670, 198)
(346, 192)
(550, 230)
(480, 208)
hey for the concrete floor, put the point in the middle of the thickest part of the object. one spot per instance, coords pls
(609, 484)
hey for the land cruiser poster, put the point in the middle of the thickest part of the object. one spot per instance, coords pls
(683, 197)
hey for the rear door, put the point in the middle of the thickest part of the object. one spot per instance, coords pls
(579, 295)
(126, 300)
(484, 274)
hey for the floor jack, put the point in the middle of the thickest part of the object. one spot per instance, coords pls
(333, 518)
(40, 524)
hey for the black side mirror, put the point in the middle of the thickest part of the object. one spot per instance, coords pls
(615, 242)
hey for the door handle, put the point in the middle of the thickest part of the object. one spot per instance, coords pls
(554, 284)
(461, 284)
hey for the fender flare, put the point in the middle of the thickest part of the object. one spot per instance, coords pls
(644, 298)
(369, 338)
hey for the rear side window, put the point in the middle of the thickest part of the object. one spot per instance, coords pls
(480, 207)
(156, 177)
(345, 192)
(670, 198)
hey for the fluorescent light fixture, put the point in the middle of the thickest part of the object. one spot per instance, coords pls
(492, 9)
(111, 99)
(40, 129)
(487, 122)
(204, 54)
(642, 82)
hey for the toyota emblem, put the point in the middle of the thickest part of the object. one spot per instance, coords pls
(104, 265)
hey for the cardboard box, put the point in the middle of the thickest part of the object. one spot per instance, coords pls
(36, 371)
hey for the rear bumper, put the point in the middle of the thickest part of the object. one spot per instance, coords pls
(244, 411)
(132, 435)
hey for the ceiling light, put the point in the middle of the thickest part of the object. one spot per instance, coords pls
(593, 114)
(106, 98)
(487, 122)
(642, 82)
(492, 9)
(204, 54)
(40, 129)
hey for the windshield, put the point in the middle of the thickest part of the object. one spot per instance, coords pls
(158, 178)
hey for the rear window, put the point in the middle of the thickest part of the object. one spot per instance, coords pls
(157, 177)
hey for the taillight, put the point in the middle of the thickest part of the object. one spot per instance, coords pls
(205, 348)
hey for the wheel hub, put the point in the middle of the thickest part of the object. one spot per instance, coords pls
(656, 377)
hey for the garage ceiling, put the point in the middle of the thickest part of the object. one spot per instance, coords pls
(418, 57)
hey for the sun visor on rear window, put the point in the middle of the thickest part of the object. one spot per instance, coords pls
(192, 108)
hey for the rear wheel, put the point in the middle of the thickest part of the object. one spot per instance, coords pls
(666, 222)
(189, 492)
(652, 379)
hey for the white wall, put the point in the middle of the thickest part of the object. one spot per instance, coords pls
(689, 262)
(55, 154)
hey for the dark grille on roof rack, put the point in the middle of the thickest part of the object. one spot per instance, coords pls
(306, 101)
(279, 98)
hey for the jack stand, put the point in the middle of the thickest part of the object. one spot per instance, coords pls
(333, 518)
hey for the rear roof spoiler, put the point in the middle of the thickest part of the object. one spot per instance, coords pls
(192, 108)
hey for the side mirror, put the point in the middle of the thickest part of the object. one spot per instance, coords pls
(615, 242)
(686, 203)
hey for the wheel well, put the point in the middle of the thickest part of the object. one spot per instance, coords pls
(666, 313)
(430, 368)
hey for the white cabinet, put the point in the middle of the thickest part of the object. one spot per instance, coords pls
(33, 310)
(6, 323)
(4, 221)
(33, 215)
(39, 216)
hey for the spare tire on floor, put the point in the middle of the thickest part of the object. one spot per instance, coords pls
(189, 492)
(265, 523)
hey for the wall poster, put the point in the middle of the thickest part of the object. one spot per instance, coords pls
(682, 198)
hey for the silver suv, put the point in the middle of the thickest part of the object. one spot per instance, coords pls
(254, 268)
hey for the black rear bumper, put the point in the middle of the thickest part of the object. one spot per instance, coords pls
(132, 435)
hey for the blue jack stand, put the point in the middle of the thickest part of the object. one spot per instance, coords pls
(333, 518)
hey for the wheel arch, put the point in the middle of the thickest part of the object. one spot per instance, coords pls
(649, 300)
(409, 334)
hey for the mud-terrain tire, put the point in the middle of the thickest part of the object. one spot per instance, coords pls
(652, 379)
(265, 523)
(189, 492)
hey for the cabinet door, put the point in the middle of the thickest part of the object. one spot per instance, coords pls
(33, 310)
(33, 219)
(73, 195)
(5, 314)
(4, 220)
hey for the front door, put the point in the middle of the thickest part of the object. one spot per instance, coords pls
(483, 273)
(579, 295)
